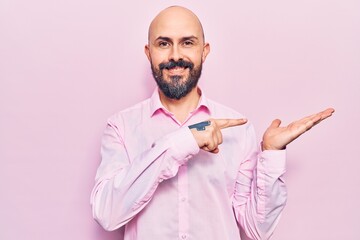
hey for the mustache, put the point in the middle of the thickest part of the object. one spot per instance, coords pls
(173, 64)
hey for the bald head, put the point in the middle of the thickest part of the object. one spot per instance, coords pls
(174, 20)
(176, 50)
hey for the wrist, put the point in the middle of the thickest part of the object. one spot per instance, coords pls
(265, 146)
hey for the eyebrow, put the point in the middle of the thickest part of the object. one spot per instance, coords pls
(170, 40)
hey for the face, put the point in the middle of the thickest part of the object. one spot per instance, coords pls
(176, 51)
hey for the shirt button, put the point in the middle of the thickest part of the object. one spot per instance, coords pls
(183, 199)
(183, 236)
(261, 159)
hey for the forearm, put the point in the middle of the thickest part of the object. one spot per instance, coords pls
(119, 195)
(260, 195)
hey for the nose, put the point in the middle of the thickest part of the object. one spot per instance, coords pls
(175, 53)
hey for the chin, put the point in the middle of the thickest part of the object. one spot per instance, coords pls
(177, 78)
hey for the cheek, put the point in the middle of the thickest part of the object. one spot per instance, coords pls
(197, 61)
(196, 57)
(154, 62)
(157, 57)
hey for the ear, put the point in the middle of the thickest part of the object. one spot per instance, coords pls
(206, 51)
(147, 51)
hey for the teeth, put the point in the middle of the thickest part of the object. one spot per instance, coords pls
(176, 68)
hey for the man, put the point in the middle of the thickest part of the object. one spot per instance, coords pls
(181, 166)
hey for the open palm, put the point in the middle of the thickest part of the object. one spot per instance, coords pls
(276, 137)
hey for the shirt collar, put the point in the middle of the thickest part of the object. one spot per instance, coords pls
(155, 103)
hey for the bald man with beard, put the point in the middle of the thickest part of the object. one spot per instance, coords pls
(181, 166)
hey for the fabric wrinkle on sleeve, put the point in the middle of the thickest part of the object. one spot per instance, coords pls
(260, 192)
(123, 186)
(182, 145)
(270, 169)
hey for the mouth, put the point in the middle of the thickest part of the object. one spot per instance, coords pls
(176, 70)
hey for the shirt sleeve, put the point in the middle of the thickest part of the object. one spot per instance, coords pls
(260, 192)
(125, 186)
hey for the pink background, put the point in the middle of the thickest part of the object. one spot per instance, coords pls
(65, 66)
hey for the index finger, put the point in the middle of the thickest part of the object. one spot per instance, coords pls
(326, 113)
(318, 117)
(225, 123)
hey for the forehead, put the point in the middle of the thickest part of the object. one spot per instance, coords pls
(175, 24)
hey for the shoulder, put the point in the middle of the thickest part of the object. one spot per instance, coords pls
(219, 110)
(132, 113)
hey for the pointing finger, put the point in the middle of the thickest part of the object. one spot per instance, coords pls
(225, 123)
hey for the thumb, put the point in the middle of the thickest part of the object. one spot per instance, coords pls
(275, 124)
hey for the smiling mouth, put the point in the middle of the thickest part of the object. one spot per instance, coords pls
(176, 70)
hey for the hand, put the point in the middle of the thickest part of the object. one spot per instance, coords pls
(276, 137)
(210, 138)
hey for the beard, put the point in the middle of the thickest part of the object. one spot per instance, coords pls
(177, 86)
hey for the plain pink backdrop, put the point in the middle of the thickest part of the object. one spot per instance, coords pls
(65, 66)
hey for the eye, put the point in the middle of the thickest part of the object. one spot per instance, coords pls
(163, 44)
(188, 43)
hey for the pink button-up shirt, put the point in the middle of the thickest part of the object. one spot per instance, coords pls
(155, 181)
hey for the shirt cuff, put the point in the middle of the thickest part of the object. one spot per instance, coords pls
(272, 161)
(183, 145)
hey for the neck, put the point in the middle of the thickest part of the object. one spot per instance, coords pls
(181, 108)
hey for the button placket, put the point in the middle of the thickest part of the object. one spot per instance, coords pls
(182, 201)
